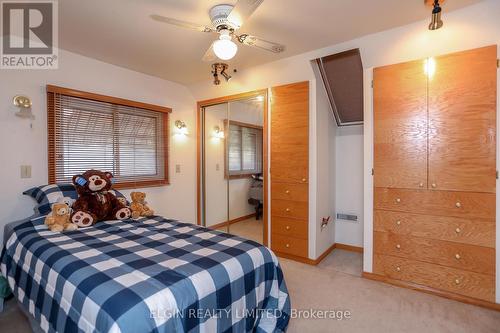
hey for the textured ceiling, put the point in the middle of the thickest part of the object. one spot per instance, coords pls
(122, 33)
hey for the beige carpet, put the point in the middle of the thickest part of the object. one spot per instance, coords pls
(375, 307)
(335, 284)
(249, 229)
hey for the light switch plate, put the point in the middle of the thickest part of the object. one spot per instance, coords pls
(25, 171)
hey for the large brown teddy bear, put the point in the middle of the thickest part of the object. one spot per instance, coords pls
(95, 202)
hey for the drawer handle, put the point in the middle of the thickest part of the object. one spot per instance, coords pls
(398, 200)
(287, 227)
(457, 256)
(398, 269)
(287, 191)
(421, 185)
(458, 205)
(287, 245)
(433, 185)
(304, 180)
(398, 222)
(288, 209)
(398, 246)
(457, 281)
(457, 230)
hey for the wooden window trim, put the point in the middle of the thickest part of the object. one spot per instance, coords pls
(108, 99)
(51, 90)
(228, 122)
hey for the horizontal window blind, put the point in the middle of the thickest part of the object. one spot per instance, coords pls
(131, 142)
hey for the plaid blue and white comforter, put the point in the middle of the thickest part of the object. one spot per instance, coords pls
(154, 275)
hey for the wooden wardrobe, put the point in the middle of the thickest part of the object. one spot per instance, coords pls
(290, 170)
(435, 174)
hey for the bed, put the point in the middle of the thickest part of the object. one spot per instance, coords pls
(150, 275)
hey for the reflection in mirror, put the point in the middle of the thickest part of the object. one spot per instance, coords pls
(232, 164)
(244, 167)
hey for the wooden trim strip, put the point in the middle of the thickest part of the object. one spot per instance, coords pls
(233, 221)
(108, 99)
(307, 260)
(347, 247)
(51, 144)
(432, 291)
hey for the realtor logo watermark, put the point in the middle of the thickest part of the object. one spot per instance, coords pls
(29, 35)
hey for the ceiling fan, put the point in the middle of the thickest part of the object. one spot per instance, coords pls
(226, 21)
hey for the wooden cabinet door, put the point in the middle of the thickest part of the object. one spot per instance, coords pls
(462, 121)
(400, 126)
(290, 133)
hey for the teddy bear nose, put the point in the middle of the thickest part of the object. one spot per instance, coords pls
(98, 182)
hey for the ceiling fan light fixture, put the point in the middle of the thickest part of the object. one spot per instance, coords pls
(226, 76)
(225, 48)
(436, 21)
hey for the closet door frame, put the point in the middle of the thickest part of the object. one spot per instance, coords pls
(201, 105)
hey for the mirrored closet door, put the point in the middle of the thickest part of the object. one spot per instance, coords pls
(232, 163)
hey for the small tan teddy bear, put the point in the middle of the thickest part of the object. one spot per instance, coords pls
(58, 220)
(139, 205)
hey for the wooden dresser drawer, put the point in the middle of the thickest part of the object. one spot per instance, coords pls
(468, 231)
(442, 203)
(453, 280)
(289, 245)
(290, 191)
(462, 256)
(289, 227)
(288, 208)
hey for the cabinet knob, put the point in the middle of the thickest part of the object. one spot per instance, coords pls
(398, 246)
(433, 185)
(398, 200)
(288, 209)
(287, 191)
(398, 269)
(304, 180)
(398, 222)
(457, 256)
(457, 230)
(287, 245)
(457, 281)
(421, 185)
(287, 227)
(458, 205)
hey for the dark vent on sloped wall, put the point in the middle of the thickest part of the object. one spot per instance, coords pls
(342, 75)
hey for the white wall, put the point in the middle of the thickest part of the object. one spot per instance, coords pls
(349, 184)
(22, 145)
(326, 129)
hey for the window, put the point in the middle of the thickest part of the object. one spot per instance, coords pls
(89, 131)
(244, 149)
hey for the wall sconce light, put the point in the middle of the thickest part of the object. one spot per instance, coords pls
(436, 22)
(218, 133)
(181, 126)
(24, 105)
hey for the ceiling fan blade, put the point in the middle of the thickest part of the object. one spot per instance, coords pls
(210, 54)
(242, 11)
(260, 43)
(182, 24)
